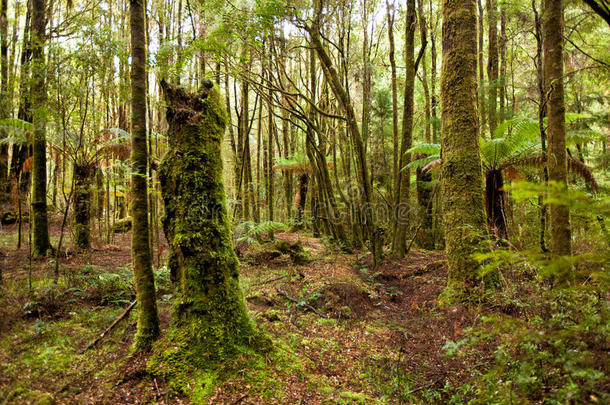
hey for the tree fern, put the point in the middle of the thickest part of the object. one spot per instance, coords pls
(432, 150)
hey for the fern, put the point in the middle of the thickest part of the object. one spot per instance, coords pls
(17, 131)
(251, 232)
(432, 150)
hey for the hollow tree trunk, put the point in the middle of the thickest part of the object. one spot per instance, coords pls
(209, 317)
(495, 204)
(424, 198)
(82, 204)
(461, 191)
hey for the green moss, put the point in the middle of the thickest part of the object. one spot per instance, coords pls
(23, 396)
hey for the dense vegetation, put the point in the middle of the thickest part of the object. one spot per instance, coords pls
(304, 202)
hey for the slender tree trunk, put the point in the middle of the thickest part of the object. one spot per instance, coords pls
(552, 42)
(148, 318)
(40, 224)
(462, 182)
(482, 96)
(433, 70)
(541, 116)
(401, 202)
(4, 97)
(502, 75)
(492, 65)
(395, 159)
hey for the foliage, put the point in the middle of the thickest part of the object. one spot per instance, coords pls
(250, 232)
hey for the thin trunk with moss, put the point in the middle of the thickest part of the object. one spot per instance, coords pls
(461, 172)
(492, 65)
(401, 201)
(83, 176)
(148, 317)
(552, 43)
(40, 224)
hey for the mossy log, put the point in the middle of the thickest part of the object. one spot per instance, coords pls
(210, 322)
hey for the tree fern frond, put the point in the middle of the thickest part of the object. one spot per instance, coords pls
(574, 166)
(425, 149)
(423, 162)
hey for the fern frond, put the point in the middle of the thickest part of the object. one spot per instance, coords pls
(426, 149)
(574, 166)
(423, 162)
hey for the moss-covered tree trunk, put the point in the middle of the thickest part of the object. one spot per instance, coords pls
(82, 204)
(209, 317)
(492, 65)
(40, 224)
(4, 97)
(148, 318)
(462, 182)
(552, 43)
(401, 201)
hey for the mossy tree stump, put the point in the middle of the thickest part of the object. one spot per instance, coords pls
(210, 322)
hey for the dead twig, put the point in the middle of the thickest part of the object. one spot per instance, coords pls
(301, 303)
(116, 321)
(271, 280)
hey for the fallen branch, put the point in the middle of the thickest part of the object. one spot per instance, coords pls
(116, 321)
(300, 303)
(271, 280)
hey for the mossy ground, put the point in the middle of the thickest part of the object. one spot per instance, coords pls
(394, 345)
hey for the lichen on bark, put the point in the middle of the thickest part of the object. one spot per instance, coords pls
(210, 322)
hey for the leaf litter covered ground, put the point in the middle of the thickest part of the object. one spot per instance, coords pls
(343, 332)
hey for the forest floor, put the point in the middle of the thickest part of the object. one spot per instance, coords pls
(343, 332)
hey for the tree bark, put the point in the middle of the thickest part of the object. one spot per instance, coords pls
(461, 173)
(148, 318)
(552, 42)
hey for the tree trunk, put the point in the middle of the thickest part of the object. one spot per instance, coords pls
(461, 190)
(492, 65)
(482, 96)
(209, 318)
(395, 159)
(40, 225)
(4, 98)
(424, 197)
(82, 204)
(495, 204)
(300, 200)
(401, 201)
(148, 318)
(552, 42)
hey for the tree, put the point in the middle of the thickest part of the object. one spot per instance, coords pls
(210, 322)
(402, 204)
(148, 317)
(40, 224)
(461, 189)
(552, 43)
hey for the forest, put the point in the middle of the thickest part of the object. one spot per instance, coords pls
(304, 202)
